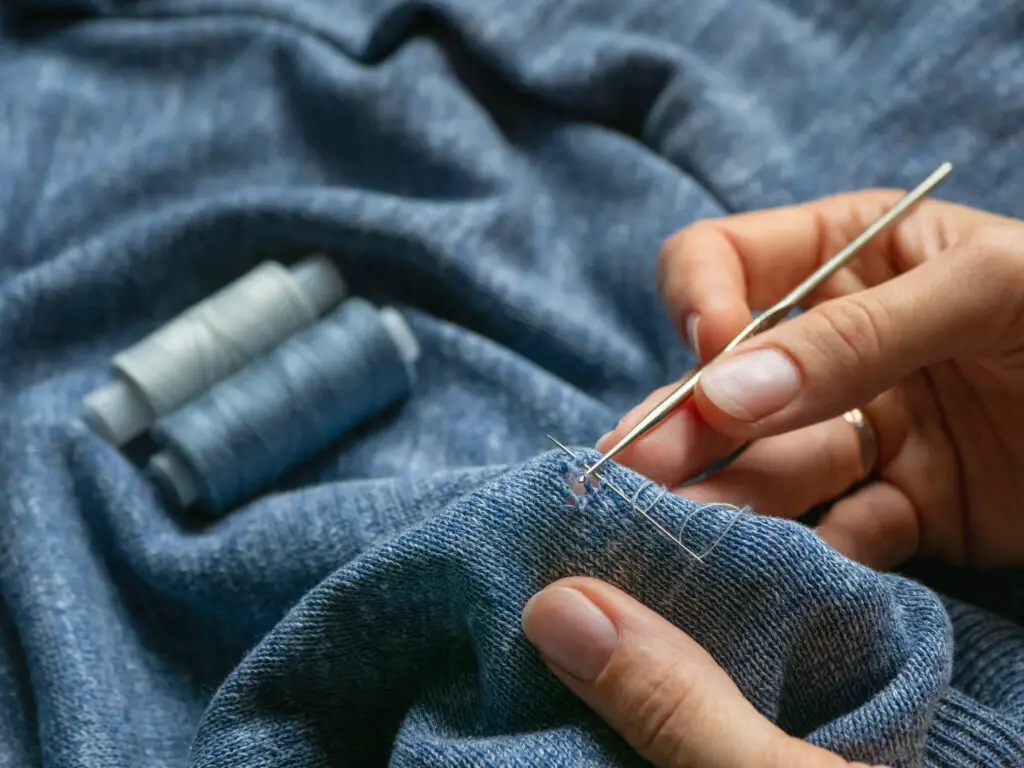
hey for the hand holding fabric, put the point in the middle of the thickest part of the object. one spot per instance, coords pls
(656, 686)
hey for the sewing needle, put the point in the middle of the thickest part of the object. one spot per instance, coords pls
(778, 312)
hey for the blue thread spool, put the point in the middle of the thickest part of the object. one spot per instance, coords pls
(208, 342)
(285, 407)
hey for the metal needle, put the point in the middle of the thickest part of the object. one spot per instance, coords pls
(777, 313)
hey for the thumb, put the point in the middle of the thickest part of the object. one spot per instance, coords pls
(653, 684)
(844, 352)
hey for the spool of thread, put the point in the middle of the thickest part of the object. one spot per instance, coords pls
(283, 408)
(209, 341)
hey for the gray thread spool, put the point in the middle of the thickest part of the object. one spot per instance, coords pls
(210, 341)
(285, 406)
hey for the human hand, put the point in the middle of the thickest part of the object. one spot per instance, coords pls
(923, 332)
(654, 684)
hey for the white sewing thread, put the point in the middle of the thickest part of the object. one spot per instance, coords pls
(690, 516)
(636, 504)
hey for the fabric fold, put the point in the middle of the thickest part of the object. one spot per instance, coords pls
(851, 659)
(504, 172)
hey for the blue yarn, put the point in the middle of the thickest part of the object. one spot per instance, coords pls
(284, 407)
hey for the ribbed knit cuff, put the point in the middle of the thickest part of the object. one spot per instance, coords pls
(964, 733)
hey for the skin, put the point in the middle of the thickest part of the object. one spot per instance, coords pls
(924, 332)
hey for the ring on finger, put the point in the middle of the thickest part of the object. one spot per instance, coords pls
(866, 439)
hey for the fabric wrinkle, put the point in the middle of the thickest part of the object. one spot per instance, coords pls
(504, 174)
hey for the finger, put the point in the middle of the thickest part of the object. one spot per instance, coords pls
(713, 273)
(877, 526)
(653, 684)
(786, 475)
(674, 451)
(763, 254)
(703, 287)
(847, 350)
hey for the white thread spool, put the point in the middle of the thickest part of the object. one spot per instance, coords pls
(182, 464)
(210, 341)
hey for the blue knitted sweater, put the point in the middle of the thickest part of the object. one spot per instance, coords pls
(504, 171)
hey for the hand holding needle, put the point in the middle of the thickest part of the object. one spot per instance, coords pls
(925, 334)
(778, 312)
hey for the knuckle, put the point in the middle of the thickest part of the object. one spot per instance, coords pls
(668, 253)
(848, 331)
(670, 246)
(997, 256)
(996, 271)
(675, 248)
(663, 268)
(659, 715)
(671, 261)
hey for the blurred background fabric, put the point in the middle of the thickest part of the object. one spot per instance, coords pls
(504, 172)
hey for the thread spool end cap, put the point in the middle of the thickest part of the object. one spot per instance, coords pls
(174, 475)
(320, 282)
(117, 412)
(402, 335)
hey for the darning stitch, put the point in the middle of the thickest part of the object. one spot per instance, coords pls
(636, 504)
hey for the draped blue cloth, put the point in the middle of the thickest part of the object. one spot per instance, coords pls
(504, 172)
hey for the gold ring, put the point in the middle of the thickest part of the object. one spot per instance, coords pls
(866, 438)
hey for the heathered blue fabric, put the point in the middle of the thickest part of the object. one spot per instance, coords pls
(504, 171)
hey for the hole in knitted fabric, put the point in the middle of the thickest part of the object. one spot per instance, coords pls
(580, 488)
(576, 482)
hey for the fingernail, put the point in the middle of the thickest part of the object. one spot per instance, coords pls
(570, 631)
(752, 385)
(691, 334)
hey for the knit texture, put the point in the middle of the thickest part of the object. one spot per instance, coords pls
(504, 172)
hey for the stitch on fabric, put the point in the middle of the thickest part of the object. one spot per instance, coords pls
(737, 512)
(645, 511)
(657, 499)
(580, 493)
